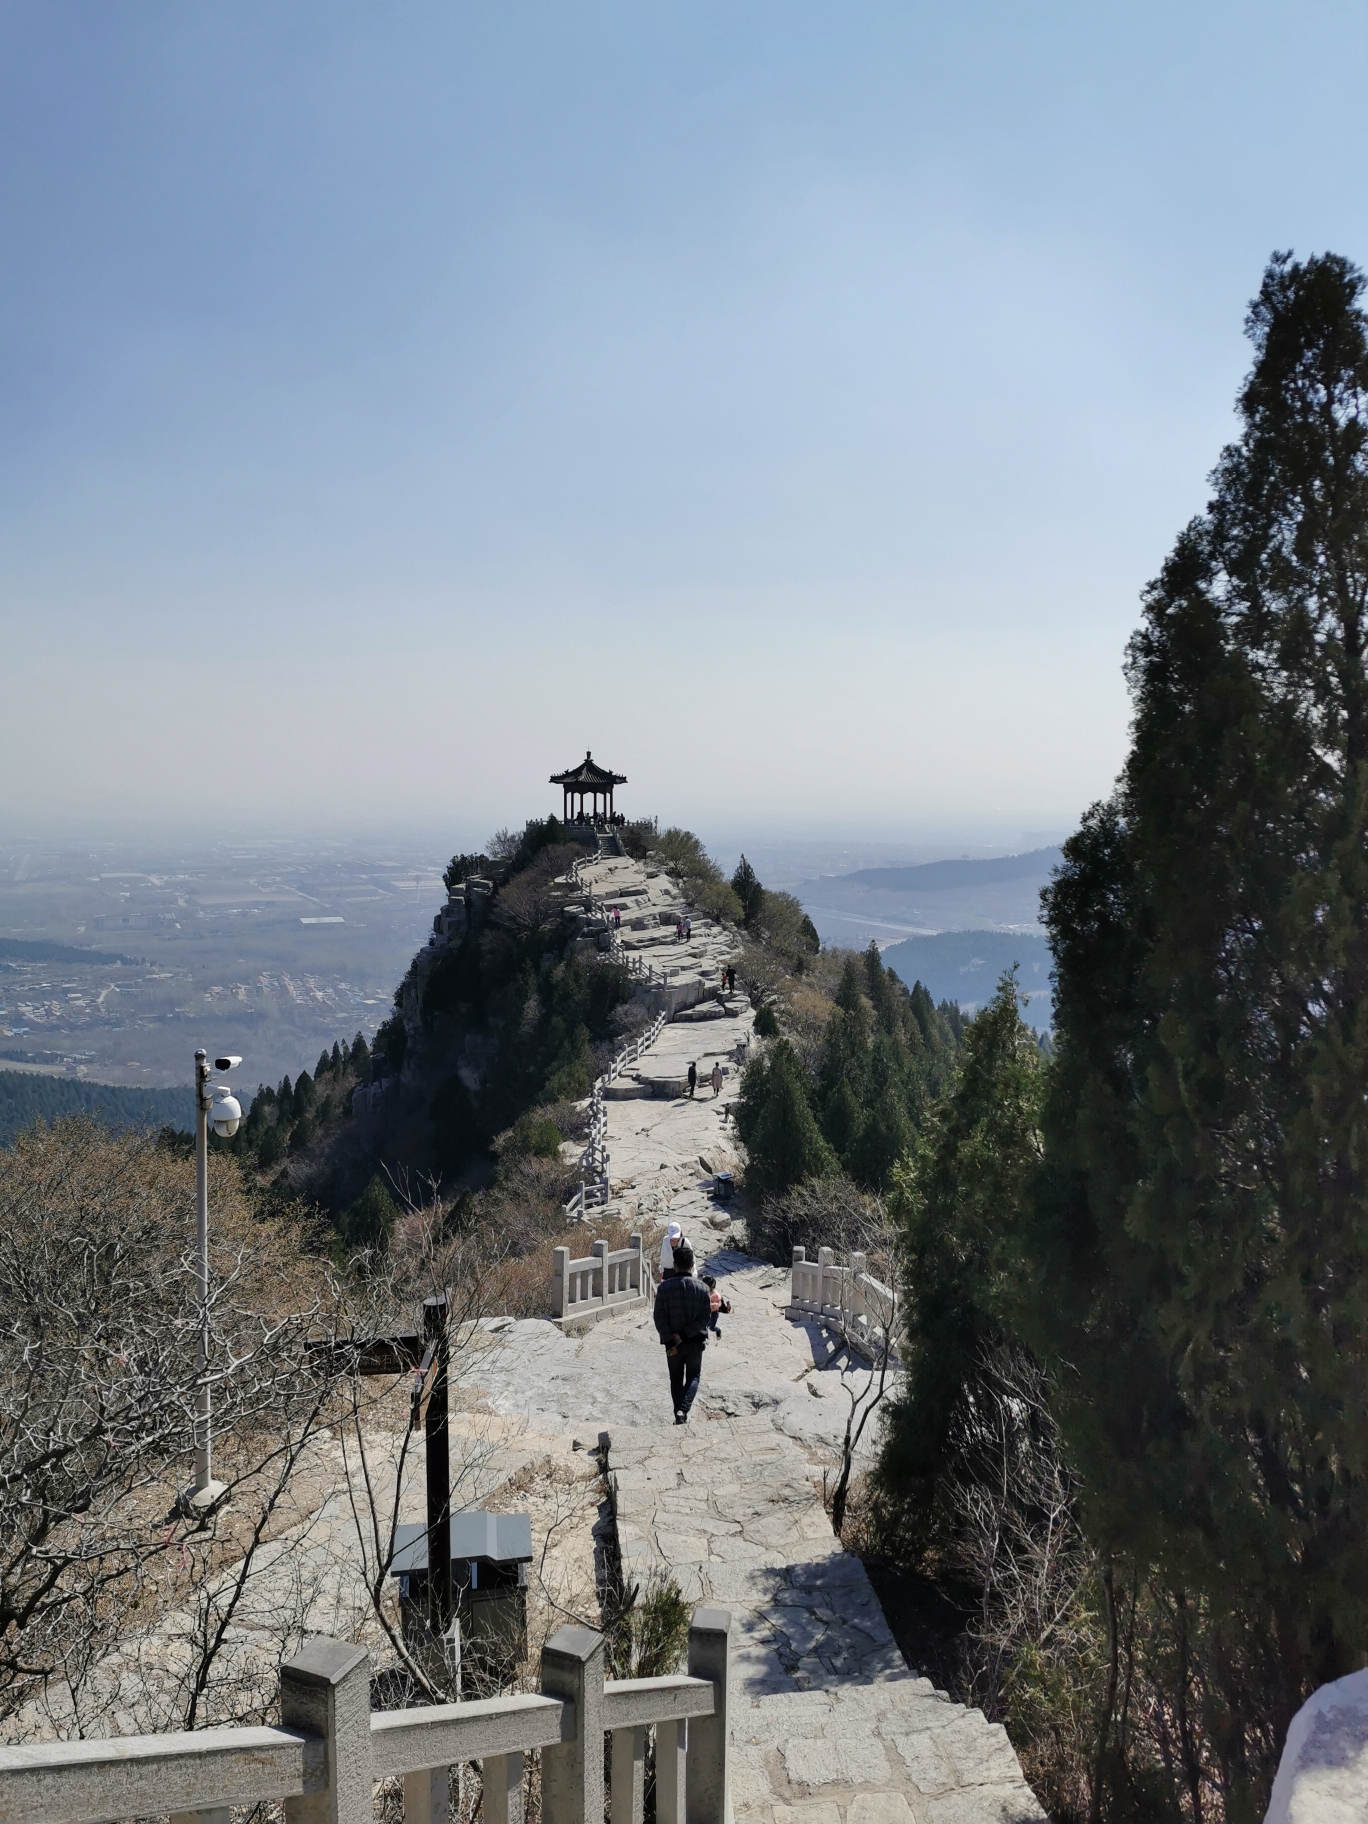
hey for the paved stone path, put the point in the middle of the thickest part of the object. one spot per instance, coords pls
(651, 904)
(830, 1726)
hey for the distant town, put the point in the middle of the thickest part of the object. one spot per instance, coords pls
(116, 962)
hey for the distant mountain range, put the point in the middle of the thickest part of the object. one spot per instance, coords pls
(943, 876)
(963, 895)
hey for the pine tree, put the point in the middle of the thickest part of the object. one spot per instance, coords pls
(774, 1119)
(952, 1198)
(1201, 1232)
(746, 886)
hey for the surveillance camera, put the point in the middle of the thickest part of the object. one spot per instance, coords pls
(226, 1063)
(227, 1112)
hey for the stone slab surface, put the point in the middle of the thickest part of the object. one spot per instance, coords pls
(831, 1726)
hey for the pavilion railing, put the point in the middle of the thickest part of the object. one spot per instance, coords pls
(331, 1749)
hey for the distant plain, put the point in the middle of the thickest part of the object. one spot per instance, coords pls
(219, 945)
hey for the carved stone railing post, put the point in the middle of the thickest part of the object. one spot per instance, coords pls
(427, 1796)
(572, 1771)
(501, 1776)
(560, 1281)
(325, 1690)
(672, 1746)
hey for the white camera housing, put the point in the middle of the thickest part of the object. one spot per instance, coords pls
(226, 1114)
(226, 1063)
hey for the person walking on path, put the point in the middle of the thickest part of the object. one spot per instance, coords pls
(674, 1238)
(693, 1077)
(682, 1313)
(716, 1079)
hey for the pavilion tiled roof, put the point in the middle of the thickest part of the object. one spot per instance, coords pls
(589, 776)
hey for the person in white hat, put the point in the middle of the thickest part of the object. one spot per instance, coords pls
(674, 1235)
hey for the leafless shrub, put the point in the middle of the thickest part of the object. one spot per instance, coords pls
(100, 1372)
(822, 1213)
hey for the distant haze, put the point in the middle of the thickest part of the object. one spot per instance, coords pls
(788, 402)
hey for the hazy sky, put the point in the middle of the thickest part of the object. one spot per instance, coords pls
(787, 400)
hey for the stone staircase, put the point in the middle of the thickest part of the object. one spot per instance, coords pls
(830, 1724)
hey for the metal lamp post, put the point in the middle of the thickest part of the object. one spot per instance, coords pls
(214, 1100)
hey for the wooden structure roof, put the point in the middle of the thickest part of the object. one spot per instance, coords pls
(588, 776)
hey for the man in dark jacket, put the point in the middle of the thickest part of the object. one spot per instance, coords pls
(683, 1308)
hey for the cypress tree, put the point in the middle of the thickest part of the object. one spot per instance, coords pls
(1201, 1230)
(966, 1171)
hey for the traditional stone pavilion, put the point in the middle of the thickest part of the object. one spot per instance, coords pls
(591, 780)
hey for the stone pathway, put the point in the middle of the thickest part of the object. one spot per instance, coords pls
(830, 1725)
(651, 905)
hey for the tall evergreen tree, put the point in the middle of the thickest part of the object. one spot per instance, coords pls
(952, 1197)
(774, 1119)
(1201, 1231)
(746, 886)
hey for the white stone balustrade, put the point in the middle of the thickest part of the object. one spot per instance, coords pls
(847, 1299)
(600, 1284)
(594, 1159)
(330, 1750)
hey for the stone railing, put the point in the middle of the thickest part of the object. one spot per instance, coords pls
(849, 1300)
(330, 1750)
(593, 1163)
(600, 1284)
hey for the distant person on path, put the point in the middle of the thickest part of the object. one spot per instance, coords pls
(716, 1079)
(688, 929)
(679, 930)
(683, 1312)
(693, 1077)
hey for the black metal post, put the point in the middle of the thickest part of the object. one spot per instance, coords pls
(438, 1469)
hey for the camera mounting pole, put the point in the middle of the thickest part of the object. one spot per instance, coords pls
(207, 1493)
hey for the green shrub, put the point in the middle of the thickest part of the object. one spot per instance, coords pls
(535, 1136)
(647, 1628)
(368, 1221)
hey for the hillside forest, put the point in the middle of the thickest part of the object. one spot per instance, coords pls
(1121, 1493)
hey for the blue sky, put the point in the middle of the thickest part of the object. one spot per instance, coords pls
(788, 401)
